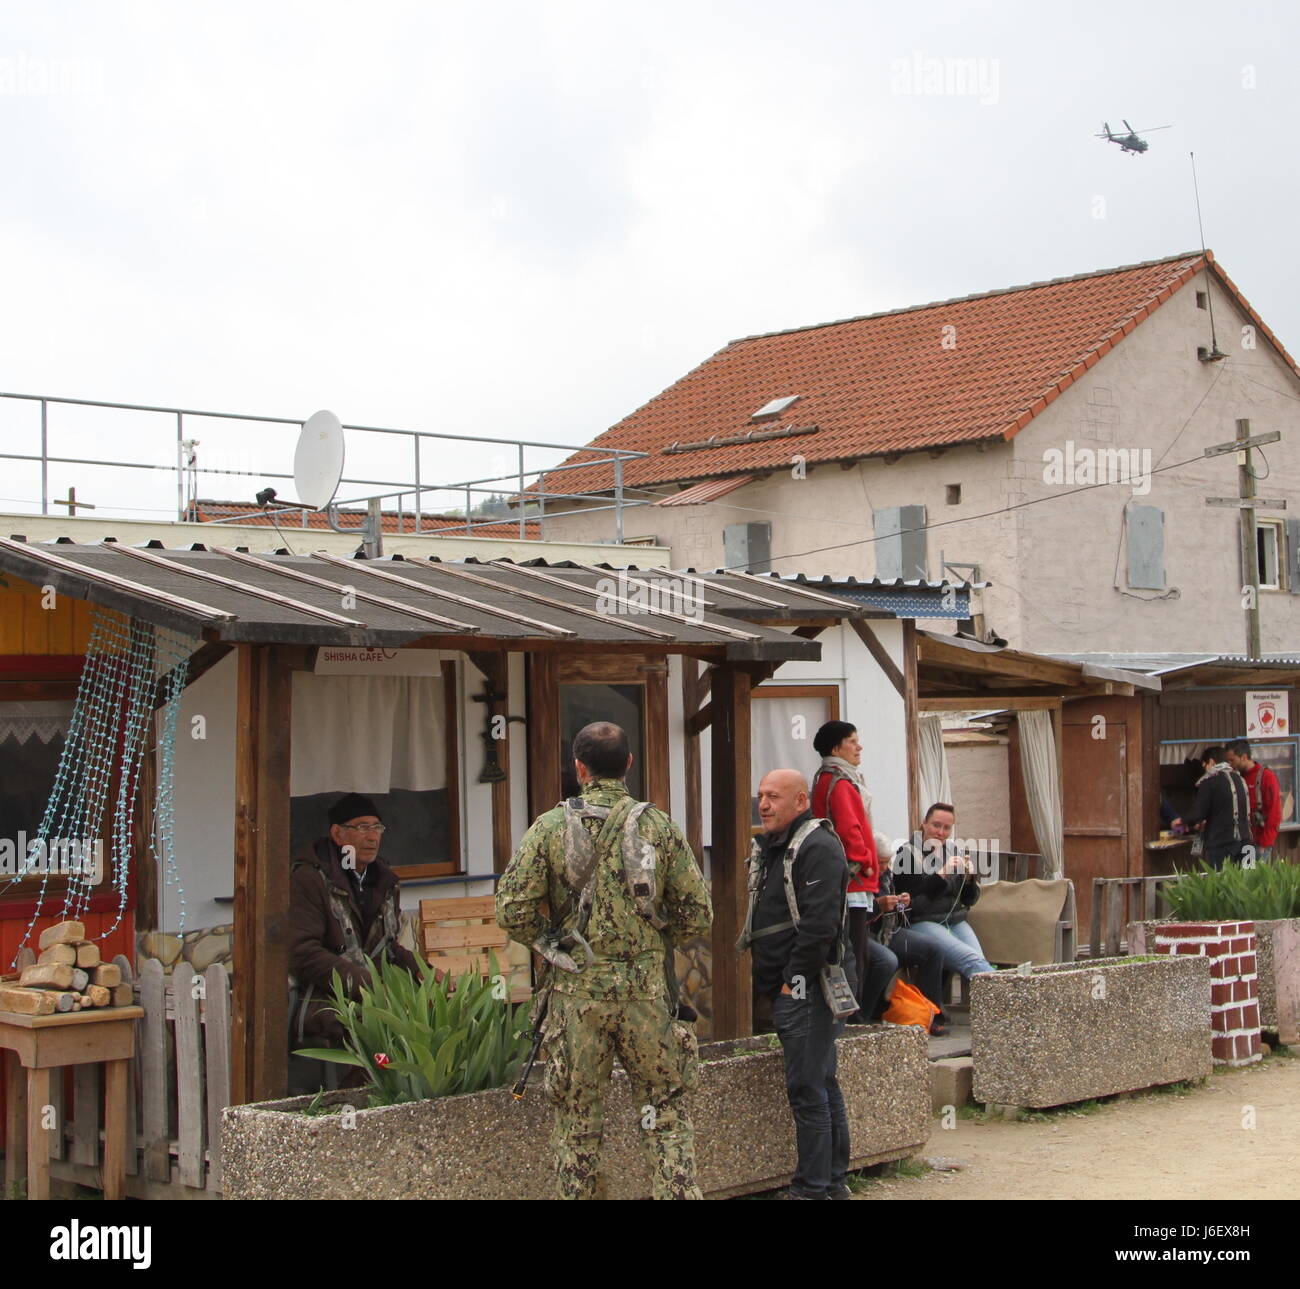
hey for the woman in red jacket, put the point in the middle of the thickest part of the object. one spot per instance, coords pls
(840, 795)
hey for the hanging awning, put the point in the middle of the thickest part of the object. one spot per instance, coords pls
(229, 595)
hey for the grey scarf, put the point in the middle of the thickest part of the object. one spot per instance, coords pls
(852, 772)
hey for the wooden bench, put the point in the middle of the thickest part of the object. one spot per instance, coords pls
(458, 935)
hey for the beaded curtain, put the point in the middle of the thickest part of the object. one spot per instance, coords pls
(128, 663)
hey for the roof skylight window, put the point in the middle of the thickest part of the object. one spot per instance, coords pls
(775, 407)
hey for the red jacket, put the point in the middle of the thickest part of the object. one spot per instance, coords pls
(849, 817)
(1266, 797)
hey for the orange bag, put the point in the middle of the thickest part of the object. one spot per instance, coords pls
(909, 1006)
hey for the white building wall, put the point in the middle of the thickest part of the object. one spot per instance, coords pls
(204, 804)
(981, 792)
(1058, 566)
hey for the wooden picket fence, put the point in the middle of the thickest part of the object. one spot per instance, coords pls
(180, 1084)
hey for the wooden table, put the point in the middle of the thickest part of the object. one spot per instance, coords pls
(39, 1044)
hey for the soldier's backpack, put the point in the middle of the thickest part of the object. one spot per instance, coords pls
(582, 852)
(835, 984)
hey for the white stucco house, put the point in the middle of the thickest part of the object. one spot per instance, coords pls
(1046, 439)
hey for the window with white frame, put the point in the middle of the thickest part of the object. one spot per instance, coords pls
(1270, 548)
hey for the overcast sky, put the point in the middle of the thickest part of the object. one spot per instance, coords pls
(524, 220)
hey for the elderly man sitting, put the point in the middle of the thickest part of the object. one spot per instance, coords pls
(344, 913)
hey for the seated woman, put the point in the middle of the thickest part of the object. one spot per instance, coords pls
(920, 957)
(943, 885)
(840, 795)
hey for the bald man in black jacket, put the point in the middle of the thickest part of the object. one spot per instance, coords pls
(787, 967)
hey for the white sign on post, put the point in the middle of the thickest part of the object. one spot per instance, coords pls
(1267, 714)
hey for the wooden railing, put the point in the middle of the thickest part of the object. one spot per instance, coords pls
(180, 1083)
(1117, 901)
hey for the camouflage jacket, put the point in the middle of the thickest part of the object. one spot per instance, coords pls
(628, 953)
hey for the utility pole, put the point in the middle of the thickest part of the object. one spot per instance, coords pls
(1248, 503)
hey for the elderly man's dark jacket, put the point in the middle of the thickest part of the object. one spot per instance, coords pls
(322, 893)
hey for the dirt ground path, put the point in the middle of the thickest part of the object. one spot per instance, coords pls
(1153, 1146)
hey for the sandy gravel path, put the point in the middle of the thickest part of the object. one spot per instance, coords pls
(1153, 1146)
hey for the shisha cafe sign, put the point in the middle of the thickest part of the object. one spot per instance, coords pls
(1267, 714)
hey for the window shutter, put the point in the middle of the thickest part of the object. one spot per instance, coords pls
(1293, 556)
(748, 547)
(1146, 548)
(900, 542)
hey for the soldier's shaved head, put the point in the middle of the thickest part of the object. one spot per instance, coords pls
(601, 748)
(782, 798)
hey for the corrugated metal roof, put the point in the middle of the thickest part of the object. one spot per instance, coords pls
(322, 599)
(709, 490)
(1158, 663)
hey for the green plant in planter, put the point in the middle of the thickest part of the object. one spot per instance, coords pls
(1259, 893)
(419, 1039)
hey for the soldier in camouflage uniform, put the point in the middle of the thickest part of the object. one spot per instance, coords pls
(609, 991)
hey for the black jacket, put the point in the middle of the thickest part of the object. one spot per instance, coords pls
(821, 877)
(1214, 793)
(936, 897)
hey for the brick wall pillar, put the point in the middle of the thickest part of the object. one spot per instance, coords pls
(1234, 982)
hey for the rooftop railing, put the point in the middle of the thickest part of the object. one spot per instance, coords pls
(409, 495)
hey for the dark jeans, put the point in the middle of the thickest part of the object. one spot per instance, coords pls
(923, 960)
(876, 967)
(808, 1031)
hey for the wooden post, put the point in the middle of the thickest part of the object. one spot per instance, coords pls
(260, 1006)
(544, 771)
(732, 791)
(911, 714)
(693, 690)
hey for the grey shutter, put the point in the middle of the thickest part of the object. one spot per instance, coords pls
(900, 542)
(1146, 548)
(1293, 556)
(748, 547)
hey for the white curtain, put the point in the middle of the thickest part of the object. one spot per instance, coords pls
(1043, 788)
(935, 785)
(34, 720)
(781, 734)
(367, 734)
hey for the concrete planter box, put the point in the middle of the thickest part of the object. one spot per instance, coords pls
(488, 1146)
(1074, 1031)
(1278, 968)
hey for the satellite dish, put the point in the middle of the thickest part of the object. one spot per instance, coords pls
(318, 461)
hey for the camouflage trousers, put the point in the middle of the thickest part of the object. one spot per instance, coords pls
(583, 1036)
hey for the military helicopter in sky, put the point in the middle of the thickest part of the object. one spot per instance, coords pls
(1132, 141)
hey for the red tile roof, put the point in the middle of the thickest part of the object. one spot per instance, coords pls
(892, 382)
(452, 525)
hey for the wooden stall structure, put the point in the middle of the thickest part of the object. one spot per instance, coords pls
(1112, 785)
(960, 675)
(571, 622)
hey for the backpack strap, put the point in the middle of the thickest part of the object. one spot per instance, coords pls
(748, 935)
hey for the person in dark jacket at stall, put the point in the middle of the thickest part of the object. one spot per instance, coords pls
(943, 885)
(1222, 808)
(787, 964)
(344, 913)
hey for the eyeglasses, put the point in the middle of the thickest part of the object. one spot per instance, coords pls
(377, 829)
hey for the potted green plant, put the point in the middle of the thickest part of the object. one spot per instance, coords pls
(1266, 894)
(420, 1130)
(419, 1039)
